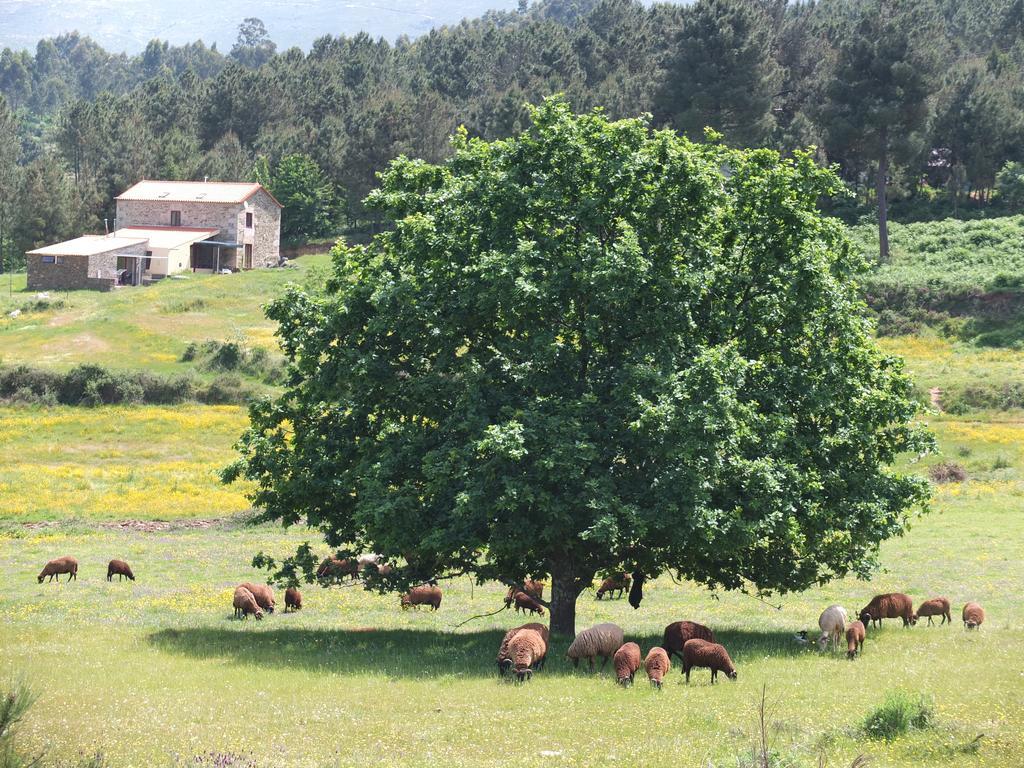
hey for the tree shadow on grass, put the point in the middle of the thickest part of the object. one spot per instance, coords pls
(411, 652)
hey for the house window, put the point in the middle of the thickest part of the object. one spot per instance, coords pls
(248, 219)
(48, 259)
(248, 255)
(175, 218)
(149, 259)
(58, 259)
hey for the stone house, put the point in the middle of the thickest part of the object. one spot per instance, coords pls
(163, 228)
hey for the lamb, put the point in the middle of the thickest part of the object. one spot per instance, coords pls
(937, 606)
(531, 587)
(292, 599)
(854, 639)
(55, 568)
(619, 583)
(527, 604)
(701, 653)
(626, 662)
(504, 660)
(121, 568)
(601, 640)
(245, 604)
(264, 595)
(833, 625)
(894, 605)
(973, 615)
(527, 650)
(657, 664)
(678, 632)
(425, 594)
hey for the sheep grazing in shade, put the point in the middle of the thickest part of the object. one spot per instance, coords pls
(425, 594)
(531, 587)
(678, 632)
(854, 639)
(832, 623)
(337, 568)
(264, 595)
(504, 660)
(121, 568)
(701, 653)
(657, 664)
(245, 603)
(937, 606)
(55, 568)
(894, 605)
(973, 615)
(528, 651)
(292, 599)
(527, 604)
(618, 583)
(626, 662)
(601, 640)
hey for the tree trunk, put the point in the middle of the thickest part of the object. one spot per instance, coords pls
(883, 209)
(566, 587)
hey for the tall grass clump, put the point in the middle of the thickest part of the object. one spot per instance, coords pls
(898, 714)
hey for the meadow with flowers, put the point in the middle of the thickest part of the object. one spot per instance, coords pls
(156, 672)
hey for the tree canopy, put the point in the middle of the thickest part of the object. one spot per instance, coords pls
(592, 346)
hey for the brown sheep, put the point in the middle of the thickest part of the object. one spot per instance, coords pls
(504, 660)
(245, 604)
(527, 604)
(531, 587)
(121, 568)
(657, 664)
(337, 568)
(626, 661)
(678, 632)
(528, 651)
(973, 615)
(619, 583)
(292, 599)
(854, 639)
(55, 568)
(894, 605)
(264, 595)
(701, 653)
(937, 606)
(425, 594)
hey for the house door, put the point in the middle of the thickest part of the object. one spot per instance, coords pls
(248, 256)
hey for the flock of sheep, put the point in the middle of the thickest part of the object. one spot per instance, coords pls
(524, 649)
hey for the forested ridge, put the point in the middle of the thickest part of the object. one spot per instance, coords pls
(920, 100)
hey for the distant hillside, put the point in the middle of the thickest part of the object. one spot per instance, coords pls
(127, 25)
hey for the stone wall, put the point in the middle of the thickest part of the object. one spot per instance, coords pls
(266, 249)
(75, 273)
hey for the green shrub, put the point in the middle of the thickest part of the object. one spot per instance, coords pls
(898, 714)
(235, 357)
(1010, 183)
(228, 389)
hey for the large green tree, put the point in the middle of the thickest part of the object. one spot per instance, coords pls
(309, 200)
(592, 346)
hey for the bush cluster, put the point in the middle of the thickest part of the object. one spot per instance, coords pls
(1005, 396)
(947, 472)
(235, 357)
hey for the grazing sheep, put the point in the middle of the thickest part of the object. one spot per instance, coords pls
(264, 595)
(527, 604)
(601, 640)
(626, 662)
(425, 594)
(504, 660)
(657, 664)
(531, 587)
(292, 599)
(337, 568)
(121, 568)
(973, 615)
(245, 603)
(367, 559)
(854, 639)
(619, 583)
(55, 568)
(894, 605)
(832, 623)
(678, 632)
(701, 653)
(937, 606)
(527, 650)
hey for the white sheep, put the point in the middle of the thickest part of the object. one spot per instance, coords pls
(601, 640)
(832, 623)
